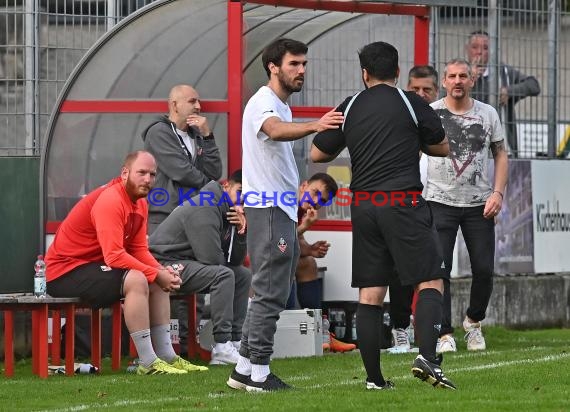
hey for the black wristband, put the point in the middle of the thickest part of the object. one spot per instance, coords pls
(496, 191)
(209, 137)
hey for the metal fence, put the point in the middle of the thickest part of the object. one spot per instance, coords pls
(41, 41)
(532, 37)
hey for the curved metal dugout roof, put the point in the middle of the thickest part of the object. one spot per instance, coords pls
(123, 80)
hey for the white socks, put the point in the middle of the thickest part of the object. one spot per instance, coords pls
(143, 344)
(160, 337)
(243, 366)
(259, 372)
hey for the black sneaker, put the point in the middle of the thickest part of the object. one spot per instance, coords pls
(272, 383)
(387, 385)
(237, 380)
(431, 373)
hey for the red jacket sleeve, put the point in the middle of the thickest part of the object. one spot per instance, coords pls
(109, 216)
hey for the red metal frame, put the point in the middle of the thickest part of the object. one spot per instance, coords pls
(235, 83)
(134, 106)
(233, 105)
(421, 40)
(348, 6)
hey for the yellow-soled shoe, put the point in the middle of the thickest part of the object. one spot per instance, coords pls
(183, 365)
(159, 367)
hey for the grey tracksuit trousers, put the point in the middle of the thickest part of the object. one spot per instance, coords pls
(274, 252)
(225, 284)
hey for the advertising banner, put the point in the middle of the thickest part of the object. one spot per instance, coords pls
(551, 215)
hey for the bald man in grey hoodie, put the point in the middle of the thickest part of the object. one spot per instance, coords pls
(206, 234)
(185, 151)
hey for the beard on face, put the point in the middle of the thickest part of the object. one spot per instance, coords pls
(135, 191)
(291, 86)
(457, 92)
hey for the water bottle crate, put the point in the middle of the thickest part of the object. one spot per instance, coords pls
(342, 317)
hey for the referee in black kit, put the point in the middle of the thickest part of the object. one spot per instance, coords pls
(384, 130)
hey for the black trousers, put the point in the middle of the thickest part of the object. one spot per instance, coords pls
(479, 235)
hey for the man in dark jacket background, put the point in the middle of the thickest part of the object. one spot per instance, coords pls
(185, 151)
(513, 84)
(207, 236)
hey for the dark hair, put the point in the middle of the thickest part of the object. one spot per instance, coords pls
(478, 33)
(235, 177)
(422, 72)
(380, 60)
(274, 52)
(330, 184)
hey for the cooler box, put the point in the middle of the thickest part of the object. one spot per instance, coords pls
(299, 333)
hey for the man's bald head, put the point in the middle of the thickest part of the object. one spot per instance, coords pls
(179, 91)
(183, 101)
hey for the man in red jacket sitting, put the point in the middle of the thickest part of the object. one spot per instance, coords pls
(100, 254)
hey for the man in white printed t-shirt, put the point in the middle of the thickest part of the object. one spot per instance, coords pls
(270, 184)
(460, 194)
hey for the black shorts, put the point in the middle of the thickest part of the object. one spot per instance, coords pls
(95, 283)
(400, 237)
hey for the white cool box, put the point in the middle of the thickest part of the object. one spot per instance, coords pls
(299, 333)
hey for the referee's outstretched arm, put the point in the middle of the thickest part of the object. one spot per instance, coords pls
(440, 149)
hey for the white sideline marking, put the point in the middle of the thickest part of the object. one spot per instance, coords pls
(126, 402)
(508, 363)
(466, 369)
(214, 395)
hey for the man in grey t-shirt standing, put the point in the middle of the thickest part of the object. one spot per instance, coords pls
(461, 195)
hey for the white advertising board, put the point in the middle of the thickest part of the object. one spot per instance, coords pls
(338, 261)
(551, 215)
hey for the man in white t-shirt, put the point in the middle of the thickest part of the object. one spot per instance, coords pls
(270, 184)
(461, 195)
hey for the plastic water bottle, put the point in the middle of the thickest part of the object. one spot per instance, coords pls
(326, 333)
(340, 325)
(85, 368)
(354, 336)
(40, 278)
(133, 366)
(386, 319)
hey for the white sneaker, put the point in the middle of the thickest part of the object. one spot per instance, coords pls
(224, 354)
(446, 343)
(474, 336)
(401, 341)
(237, 344)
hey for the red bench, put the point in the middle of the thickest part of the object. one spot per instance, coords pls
(40, 309)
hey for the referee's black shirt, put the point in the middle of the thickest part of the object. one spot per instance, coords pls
(382, 139)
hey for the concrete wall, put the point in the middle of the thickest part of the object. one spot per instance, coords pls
(539, 301)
